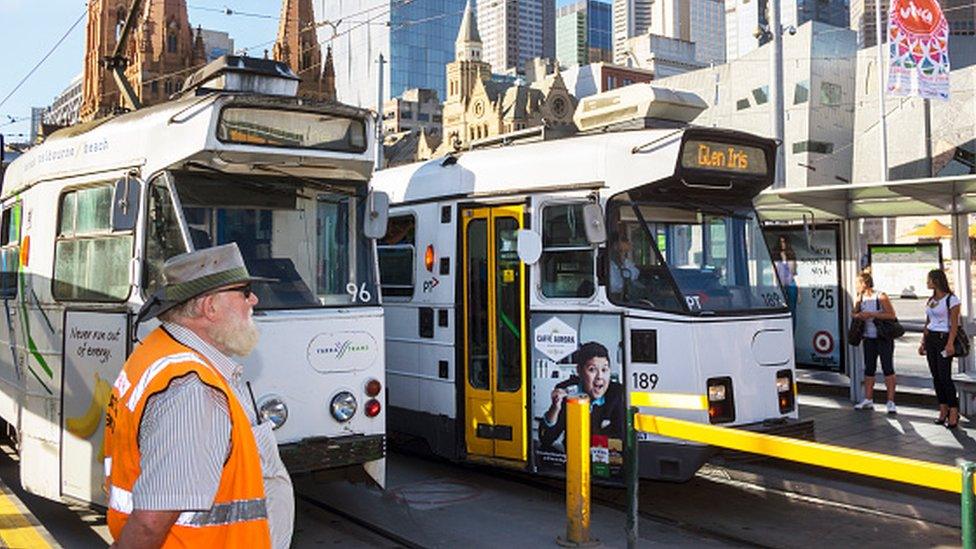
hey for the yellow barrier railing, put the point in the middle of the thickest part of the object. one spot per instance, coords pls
(908, 471)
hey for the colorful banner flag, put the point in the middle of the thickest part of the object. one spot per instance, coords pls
(918, 42)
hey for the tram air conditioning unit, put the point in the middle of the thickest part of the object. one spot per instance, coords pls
(638, 106)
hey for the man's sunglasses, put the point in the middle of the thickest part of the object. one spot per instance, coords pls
(245, 289)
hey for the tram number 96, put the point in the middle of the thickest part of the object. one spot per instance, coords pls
(644, 380)
(824, 297)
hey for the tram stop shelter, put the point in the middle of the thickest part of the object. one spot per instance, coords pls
(899, 230)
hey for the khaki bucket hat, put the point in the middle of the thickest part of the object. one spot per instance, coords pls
(195, 273)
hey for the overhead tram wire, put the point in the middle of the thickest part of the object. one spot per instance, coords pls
(46, 56)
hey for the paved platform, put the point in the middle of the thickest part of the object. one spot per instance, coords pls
(19, 529)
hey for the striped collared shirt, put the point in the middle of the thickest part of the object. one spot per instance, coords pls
(184, 440)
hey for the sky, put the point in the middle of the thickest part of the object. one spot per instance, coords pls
(33, 27)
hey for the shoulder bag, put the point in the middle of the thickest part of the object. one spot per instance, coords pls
(888, 328)
(855, 332)
(960, 345)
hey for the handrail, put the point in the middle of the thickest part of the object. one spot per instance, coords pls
(899, 469)
(908, 471)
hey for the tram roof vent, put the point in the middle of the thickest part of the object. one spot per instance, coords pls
(641, 105)
(243, 74)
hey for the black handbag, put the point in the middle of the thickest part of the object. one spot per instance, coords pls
(888, 328)
(961, 345)
(855, 333)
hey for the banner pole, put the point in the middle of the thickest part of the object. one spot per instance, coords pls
(881, 89)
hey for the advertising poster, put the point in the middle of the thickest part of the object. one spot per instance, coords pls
(918, 49)
(95, 348)
(575, 354)
(807, 263)
(900, 270)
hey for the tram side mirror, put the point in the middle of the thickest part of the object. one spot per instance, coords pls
(125, 203)
(596, 229)
(377, 215)
(529, 246)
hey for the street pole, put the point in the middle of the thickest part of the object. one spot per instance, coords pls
(776, 93)
(378, 162)
(881, 90)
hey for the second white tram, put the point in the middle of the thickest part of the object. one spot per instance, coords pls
(504, 295)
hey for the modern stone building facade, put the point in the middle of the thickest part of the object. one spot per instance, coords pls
(819, 96)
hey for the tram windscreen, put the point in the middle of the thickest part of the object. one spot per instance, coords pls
(308, 238)
(689, 259)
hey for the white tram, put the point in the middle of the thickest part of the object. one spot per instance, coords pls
(89, 216)
(504, 292)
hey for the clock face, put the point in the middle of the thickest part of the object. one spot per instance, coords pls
(479, 108)
(559, 106)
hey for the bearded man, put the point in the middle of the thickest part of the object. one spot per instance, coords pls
(188, 463)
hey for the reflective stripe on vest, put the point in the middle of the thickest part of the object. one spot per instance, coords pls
(221, 514)
(153, 370)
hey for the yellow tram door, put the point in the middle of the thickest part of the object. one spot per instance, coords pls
(494, 325)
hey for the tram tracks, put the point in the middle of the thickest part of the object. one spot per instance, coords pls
(372, 527)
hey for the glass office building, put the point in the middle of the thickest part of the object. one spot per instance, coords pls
(584, 33)
(416, 39)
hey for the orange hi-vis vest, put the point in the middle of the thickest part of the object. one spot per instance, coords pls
(238, 517)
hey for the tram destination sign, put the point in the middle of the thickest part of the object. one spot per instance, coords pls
(716, 156)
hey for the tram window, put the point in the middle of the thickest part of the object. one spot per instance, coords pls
(163, 237)
(9, 251)
(567, 258)
(397, 253)
(307, 240)
(91, 262)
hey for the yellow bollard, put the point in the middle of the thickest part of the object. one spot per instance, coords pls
(577, 442)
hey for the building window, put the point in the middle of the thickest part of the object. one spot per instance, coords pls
(567, 258)
(397, 253)
(821, 147)
(437, 118)
(742, 104)
(761, 95)
(406, 115)
(91, 262)
(801, 93)
(171, 42)
(830, 94)
(423, 117)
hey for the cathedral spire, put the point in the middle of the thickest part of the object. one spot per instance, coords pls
(467, 47)
(297, 45)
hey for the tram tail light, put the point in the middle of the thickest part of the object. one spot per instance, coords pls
(373, 407)
(373, 387)
(785, 392)
(721, 404)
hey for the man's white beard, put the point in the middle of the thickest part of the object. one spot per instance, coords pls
(236, 336)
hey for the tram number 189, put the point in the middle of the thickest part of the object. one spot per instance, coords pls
(644, 380)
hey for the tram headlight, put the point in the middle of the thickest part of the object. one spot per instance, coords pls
(273, 409)
(721, 404)
(785, 393)
(343, 406)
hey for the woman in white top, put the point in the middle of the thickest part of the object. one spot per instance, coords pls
(873, 305)
(941, 326)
